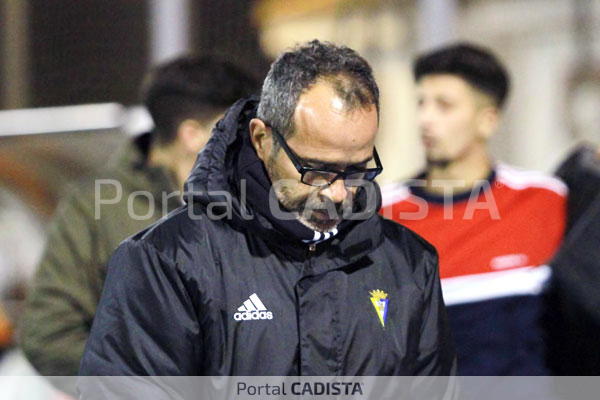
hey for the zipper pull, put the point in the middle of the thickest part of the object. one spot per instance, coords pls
(312, 247)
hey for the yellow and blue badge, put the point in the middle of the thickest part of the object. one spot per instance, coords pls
(380, 302)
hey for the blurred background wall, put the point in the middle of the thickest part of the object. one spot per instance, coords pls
(60, 53)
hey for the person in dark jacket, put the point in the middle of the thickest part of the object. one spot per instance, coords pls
(279, 264)
(139, 185)
(574, 299)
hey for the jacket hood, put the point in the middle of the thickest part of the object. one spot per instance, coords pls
(212, 174)
(213, 181)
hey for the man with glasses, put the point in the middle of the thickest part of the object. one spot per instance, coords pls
(279, 264)
(322, 177)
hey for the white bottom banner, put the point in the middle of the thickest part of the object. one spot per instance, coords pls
(322, 388)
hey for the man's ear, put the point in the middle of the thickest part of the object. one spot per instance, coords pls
(192, 135)
(487, 121)
(261, 137)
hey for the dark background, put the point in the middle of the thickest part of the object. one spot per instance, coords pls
(90, 51)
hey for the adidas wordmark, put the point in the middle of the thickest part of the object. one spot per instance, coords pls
(252, 309)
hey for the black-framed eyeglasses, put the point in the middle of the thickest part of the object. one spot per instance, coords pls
(325, 177)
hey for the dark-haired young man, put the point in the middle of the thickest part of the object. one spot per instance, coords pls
(261, 273)
(493, 226)
(185, 97)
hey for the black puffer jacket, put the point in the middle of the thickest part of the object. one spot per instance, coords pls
(193, 295)
(574, 299)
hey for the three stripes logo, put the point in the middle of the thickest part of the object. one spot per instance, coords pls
(252, 309)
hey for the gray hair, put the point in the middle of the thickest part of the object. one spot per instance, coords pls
(295, 71)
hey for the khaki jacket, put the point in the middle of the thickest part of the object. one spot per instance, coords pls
(85, 230)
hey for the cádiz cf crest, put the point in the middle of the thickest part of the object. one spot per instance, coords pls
(380, 302)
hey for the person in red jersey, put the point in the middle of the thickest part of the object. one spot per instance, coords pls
(495, 227)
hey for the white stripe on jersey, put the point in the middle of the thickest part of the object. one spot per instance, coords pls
(521, 179)
(492, 285)
(394, 193)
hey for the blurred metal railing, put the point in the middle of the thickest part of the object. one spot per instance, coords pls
(77, 118)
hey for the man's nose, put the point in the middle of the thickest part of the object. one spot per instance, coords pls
(336, 192)
(425, 115)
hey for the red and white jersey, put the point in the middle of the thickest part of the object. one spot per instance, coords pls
(493, 243)
(489, 239)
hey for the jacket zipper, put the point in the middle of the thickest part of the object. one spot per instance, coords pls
(312, 247)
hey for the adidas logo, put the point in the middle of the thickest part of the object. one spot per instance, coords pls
(252, 308)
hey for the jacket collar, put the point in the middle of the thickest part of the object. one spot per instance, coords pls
(131, 168)
(465, 195)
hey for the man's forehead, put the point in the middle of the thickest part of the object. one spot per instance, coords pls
(319, 101)
(321, 116)
(449, 85)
